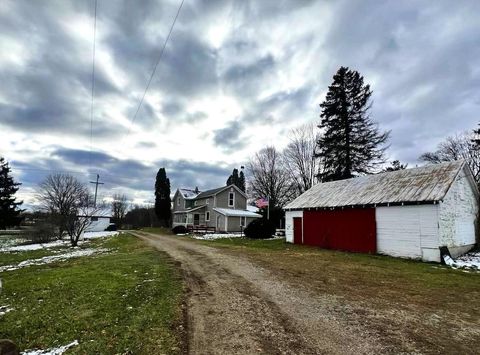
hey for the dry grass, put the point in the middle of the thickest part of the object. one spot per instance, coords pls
(414, 306)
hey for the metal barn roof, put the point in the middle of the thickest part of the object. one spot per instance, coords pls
(426, 184)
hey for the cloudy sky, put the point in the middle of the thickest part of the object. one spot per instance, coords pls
(235, 76)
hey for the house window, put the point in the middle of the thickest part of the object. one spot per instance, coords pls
(94, 219)
(243, 221)
(178, 201)
(208, 201)
(207, 216)
(195, 203)
(231, 199)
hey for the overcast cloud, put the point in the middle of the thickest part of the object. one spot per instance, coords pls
(235, 76)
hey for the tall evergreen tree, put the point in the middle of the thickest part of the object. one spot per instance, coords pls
(9, 211)
(237, 179)
(241, 181)
(352, 143)
(162, 198)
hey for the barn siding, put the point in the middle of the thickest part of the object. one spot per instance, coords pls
(458, 214)
(408, 231)
(289, 215)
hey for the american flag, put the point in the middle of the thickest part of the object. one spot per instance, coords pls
(263, 202)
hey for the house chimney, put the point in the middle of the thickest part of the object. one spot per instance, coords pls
(196, 189)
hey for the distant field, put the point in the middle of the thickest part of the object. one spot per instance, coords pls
(125, 301)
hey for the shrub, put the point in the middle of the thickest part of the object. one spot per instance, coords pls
(179, 230)
(42, 232)
(260, 229)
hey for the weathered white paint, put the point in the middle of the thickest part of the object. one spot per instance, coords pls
(458, 214)
(289, 224)
(408, 231)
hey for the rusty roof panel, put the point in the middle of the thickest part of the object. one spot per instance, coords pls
(425, 184)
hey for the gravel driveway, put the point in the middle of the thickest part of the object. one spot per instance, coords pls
(236, 307)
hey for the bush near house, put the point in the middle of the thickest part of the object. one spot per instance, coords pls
(179, 230)
(260, 229)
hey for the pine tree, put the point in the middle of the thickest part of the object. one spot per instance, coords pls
(9, 211)
(237, 180)
(162, 198)
(241, 181)
(352, 143)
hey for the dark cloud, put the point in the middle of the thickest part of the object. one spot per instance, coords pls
(230, 138)
(275, 60)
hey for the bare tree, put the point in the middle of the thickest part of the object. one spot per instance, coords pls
(455, 148)
(60, 195)
(299, 157)
(269, 178)
(119, 207)
(80, 218)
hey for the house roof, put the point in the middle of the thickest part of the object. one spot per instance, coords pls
(427, 184)
(188, 194)
(211, 192)
(236, 213)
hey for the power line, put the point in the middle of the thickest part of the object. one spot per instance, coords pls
(93, 82)
(154, 69)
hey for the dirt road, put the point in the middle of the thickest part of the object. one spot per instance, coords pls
(236, 307)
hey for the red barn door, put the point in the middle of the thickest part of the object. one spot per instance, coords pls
(350, 229)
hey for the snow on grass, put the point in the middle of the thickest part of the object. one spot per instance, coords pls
(54, 351)
(38, 246)
(53, 258)
(5, 309)
(467, 261)
(224, 236)
(94, 235)
(55, 243)
(214, 236)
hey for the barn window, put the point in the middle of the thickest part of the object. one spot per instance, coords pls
(231, 199)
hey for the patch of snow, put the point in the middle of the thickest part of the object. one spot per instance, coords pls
(55, 243)
(54, 351)
(30, 247)
(5, 309)
(467, 261)
(94, 235)
(214, 236)
(53, 258)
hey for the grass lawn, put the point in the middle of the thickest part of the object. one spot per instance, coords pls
(435, 307)
(125, 301)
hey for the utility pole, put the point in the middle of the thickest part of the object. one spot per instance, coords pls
(96, 189)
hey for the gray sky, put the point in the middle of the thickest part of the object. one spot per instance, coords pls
(235, 76)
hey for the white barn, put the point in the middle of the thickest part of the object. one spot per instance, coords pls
(408, 213)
